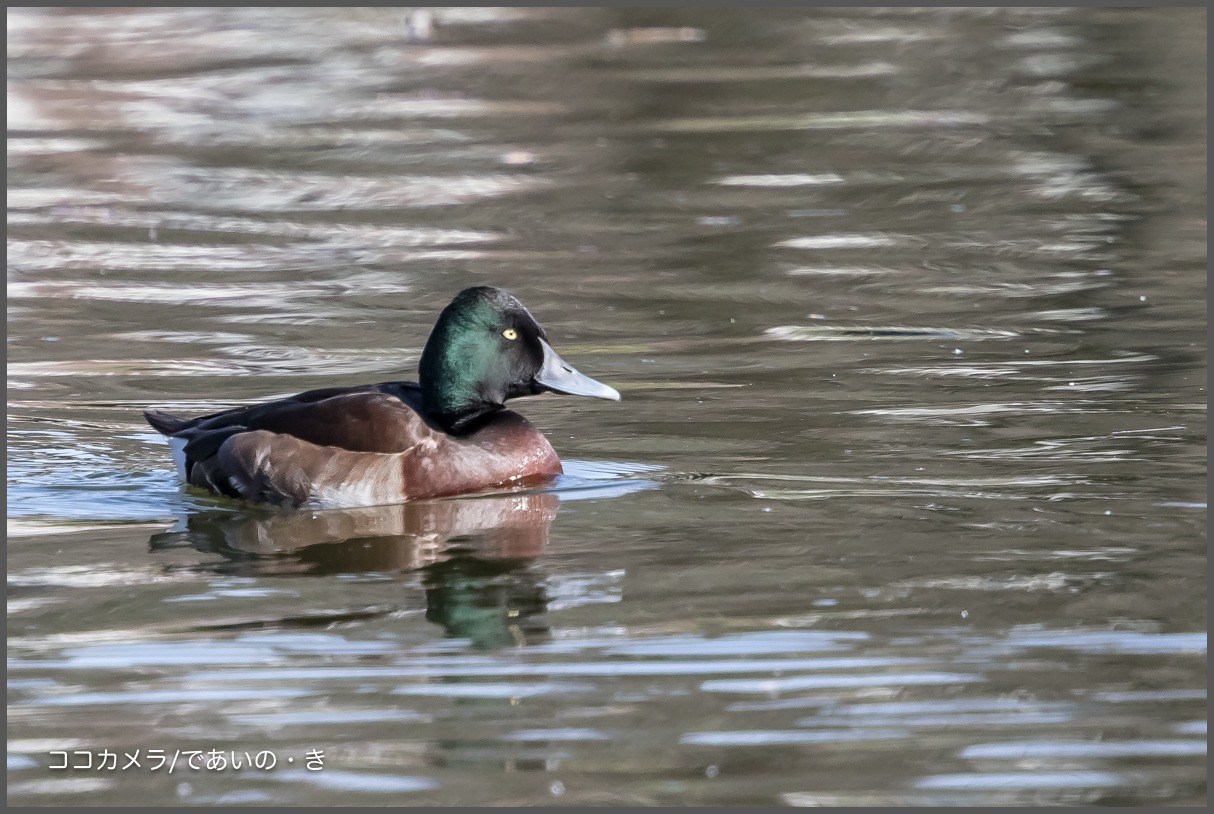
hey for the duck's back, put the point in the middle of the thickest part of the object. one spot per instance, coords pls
(303, 414)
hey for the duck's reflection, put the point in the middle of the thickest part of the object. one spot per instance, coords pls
(475, 554)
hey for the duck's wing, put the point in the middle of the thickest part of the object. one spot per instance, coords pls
(347, 450)
(167, 424)
(282, 449)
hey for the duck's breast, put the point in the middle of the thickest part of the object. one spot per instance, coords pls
(507, 450)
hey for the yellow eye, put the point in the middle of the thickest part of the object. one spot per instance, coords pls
(510, 334)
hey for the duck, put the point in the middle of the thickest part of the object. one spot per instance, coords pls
(447, 434)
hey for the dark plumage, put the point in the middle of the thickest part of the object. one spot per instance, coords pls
(447, 434)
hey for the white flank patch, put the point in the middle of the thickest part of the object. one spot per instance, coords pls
(177, 447)
(372, 487)
(348, 496)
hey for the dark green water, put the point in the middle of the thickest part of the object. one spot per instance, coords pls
(904, 503)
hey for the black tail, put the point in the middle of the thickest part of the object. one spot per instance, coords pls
(164, 423)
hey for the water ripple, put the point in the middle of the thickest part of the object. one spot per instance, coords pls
(1024, 780)
(858, 120)
(357, 782)
(787, 737)
(850, 333)
(1053, 749)
(792, 683)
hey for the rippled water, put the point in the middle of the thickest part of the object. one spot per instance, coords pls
(905, 501)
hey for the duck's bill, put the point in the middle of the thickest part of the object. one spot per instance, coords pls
(559, 376)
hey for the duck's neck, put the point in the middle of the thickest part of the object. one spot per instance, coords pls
(452, 376)
(463, 422)
(453, 403)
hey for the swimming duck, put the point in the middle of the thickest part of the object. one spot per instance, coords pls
(447, 434)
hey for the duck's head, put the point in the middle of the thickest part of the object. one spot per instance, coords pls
(487, 348)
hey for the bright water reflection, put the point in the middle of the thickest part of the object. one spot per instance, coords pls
(905, 501)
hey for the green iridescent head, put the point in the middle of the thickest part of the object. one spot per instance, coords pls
(487, 348)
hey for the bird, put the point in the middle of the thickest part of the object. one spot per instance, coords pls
(447, 434)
